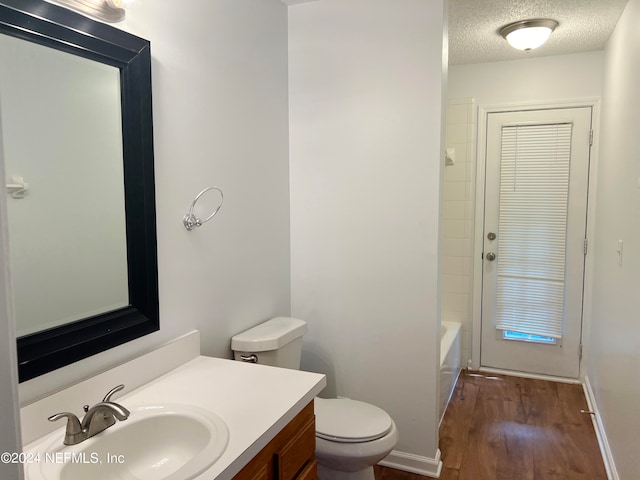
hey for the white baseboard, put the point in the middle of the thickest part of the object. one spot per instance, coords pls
(535, 376)
(408, 462)
(598, 426)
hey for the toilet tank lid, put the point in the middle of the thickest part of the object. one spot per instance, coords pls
(270, 335)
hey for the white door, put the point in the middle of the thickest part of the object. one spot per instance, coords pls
(537, 172)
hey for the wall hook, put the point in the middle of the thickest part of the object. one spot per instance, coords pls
(190, 221)
(18, 187)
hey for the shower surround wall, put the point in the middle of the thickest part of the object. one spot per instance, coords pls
(458, 218)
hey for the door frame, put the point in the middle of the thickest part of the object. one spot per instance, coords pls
(478, 237)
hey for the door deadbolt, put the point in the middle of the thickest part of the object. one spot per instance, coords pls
(490, 256)
(491, 236)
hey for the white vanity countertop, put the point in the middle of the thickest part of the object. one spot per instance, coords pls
(255, 401)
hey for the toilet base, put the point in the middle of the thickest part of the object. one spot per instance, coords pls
(325, 473)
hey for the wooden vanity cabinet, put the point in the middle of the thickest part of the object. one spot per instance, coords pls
(290, 455)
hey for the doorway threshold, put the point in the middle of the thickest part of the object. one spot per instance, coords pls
(536, 376)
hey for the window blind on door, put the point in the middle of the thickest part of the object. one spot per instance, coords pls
(532, 228)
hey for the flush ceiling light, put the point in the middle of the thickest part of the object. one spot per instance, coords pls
(528, 34)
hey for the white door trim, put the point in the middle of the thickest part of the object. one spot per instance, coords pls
(478, 240)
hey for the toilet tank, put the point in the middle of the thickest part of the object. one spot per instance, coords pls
(276, 342)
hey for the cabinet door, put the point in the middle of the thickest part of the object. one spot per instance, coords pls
(310, 472)
(299, 451)
(255, 472)
(290, 455)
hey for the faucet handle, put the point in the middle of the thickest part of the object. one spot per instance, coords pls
(73, 423)
(73, 433)
(107, 397)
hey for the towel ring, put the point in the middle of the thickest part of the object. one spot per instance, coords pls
(190, 221)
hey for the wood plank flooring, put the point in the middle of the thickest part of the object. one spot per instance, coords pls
(384, 473)
(500, 427)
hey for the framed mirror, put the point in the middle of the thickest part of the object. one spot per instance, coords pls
(77, 123)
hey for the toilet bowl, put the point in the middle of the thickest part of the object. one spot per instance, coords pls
(351, 436)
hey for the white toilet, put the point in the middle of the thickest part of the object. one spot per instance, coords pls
(351, 436)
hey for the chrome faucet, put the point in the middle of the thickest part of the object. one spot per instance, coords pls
(96, 419)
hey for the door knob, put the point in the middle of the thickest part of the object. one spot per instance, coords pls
(490, 256)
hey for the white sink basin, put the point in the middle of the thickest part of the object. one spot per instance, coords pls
(168, 442)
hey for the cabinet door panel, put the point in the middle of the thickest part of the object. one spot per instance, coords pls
(310, 472)
(288, 456)
(255, 472)
(297, 452)
(263, 473)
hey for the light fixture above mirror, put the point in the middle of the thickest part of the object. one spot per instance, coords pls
(528, 34)
(111, 11)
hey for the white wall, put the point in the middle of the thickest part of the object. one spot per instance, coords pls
(220, 118)
(538, 79)
(366, 88)
(10, 437)
(615, 339)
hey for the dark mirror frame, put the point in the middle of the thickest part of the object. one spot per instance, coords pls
(56, 27)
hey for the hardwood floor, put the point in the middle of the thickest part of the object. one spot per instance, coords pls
(509, 428)
(384, 473)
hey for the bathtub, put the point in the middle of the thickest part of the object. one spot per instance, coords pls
(450, 347)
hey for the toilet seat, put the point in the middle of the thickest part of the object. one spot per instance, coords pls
(350, 421)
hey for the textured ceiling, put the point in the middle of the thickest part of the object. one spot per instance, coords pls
(584, 25)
